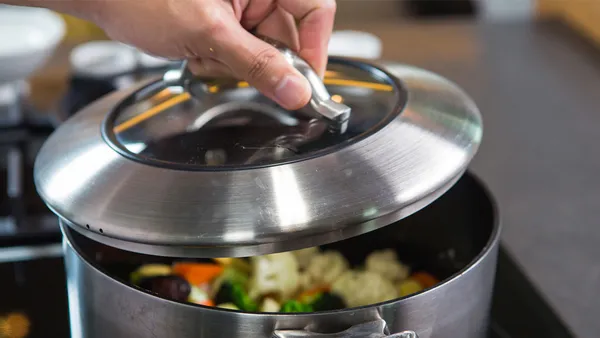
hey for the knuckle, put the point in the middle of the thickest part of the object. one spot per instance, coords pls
(214, 21)
(214, 27)
(259, 64)
(204, 25)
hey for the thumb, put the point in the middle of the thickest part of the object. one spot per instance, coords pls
(266, 69)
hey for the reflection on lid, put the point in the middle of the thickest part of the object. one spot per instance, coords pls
(230, 124)
(175, 99)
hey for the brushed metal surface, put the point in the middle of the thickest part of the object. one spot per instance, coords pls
(387, 176)
(374, 329)
(320, 105)
(465, 220)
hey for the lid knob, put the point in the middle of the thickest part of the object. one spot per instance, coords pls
(321, 104)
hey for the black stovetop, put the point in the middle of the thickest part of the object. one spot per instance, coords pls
(24, 218)
(36, 288)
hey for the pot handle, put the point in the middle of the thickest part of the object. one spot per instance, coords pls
(373, 329)
(320, 106)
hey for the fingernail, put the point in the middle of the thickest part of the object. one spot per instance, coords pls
(291, 92)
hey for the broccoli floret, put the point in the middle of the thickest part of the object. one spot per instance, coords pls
(230, 274)
(235, 293)
(327, 302)
(295, 306)
(242, 300)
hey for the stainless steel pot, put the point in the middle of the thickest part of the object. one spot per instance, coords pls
(195, 167)
(456, 237)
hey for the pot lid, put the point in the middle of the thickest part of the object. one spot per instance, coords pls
(211, 168)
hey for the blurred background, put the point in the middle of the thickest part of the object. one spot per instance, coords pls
(391, 20)
(533, 68)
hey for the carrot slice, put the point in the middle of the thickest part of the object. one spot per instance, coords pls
(197, 273)
(312, 292)
(207, 302)
(425, 279)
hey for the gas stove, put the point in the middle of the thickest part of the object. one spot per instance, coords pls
(24, 219)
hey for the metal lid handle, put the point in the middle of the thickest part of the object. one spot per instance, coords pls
(320, 106)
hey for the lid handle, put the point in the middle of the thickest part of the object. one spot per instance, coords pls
(321, 104)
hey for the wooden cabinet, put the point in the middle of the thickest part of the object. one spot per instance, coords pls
(80, 30)
(582, 15)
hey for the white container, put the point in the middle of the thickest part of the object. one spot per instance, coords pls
(355, 44)
(103, 59)
(28, 37)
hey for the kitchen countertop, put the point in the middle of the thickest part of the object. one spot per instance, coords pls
(538, 87)
(540, 157)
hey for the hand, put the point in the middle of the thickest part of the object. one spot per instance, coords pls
(214, 35)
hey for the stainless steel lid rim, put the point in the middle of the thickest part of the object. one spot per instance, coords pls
(218, 249)
(490, 248)
(405, 161)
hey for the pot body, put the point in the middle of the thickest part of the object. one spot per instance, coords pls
(457, 235)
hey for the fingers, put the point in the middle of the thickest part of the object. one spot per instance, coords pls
(268, 19)
(315, 23)
(259, 63)
(255, 12)
(316, 19)
(281, 26)
(264, 67)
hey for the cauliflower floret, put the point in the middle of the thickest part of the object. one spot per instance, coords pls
(275, 274)
(385, 263)
(269, 305)
(364, 288)
(326, 267)
(306, 282)
(305, 255)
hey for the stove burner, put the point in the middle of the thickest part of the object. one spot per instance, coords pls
(24, 218)
(10, 110)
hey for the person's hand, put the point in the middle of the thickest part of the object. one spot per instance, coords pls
(214, 35)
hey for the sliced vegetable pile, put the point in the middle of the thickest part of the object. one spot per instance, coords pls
(299, 281)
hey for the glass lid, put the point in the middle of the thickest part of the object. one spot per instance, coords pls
(211, 168)
(226, 125)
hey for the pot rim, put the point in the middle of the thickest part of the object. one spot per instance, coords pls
(492, 242)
